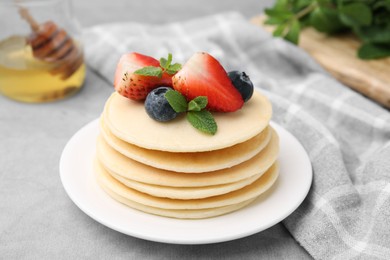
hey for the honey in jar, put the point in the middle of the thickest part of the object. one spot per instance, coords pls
(41, 57)
(26, 78)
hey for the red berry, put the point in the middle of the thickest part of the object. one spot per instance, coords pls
(135, 86)
(203, 75)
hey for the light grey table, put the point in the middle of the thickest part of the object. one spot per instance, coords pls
(38, 220)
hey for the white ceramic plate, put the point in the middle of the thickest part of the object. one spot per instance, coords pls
(276, 204)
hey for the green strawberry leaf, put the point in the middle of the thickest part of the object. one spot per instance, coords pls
(177, 101)
(202, 120)
(149, 71)
(197, 103)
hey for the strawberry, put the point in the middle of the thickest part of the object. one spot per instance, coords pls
(136, 86)
(203, 75)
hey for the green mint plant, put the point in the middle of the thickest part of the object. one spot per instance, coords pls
(369, 20)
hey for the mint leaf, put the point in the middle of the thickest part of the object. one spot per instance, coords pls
(281, 4)
(172, 69)
(356, 14)
(279, 31)
(149, 71)
(197, 103)
(274, 20)
(279, 14)
(169, 61)
(163, 63)
(175, 67)
(375, 34)
(202, 120)
(373, 51)
(177, 101)
(325, 20)
(293, 33)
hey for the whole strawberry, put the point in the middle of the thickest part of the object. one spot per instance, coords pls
(134, 85)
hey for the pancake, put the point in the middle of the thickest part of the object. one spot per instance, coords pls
(248, 192)
(183, 214)
(190, 162)
(133, 170)
(184, 192)
(128, 121)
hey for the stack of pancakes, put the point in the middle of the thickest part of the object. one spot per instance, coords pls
(171, 169)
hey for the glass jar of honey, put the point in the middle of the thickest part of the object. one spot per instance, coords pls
(41, 54)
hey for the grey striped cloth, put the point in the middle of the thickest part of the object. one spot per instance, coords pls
(347, 212)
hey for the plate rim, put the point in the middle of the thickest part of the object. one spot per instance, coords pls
(228, 237)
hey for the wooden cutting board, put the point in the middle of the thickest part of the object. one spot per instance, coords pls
(338, 56)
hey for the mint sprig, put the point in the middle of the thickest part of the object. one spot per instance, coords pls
(368, 20)
(197, 115)
(165, 66)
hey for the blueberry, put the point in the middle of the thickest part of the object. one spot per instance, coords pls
(157, 106)
(242, 83)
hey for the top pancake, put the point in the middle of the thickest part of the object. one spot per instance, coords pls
(127, 120)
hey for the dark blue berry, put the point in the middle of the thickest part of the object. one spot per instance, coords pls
(157, 106)
(242, 83)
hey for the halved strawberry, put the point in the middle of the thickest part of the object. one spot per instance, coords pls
(203, 75)
(135, 86)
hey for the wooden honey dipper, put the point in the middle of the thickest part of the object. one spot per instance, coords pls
(52, 44)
